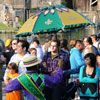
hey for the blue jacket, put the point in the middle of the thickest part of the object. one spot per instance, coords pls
(76, 59)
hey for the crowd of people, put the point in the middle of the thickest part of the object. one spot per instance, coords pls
(53, 70)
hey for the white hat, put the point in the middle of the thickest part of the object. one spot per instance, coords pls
(30, 61)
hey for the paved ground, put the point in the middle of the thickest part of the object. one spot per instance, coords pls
(3, 85)
(3, 92)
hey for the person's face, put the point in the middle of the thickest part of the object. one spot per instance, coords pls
(88, 61)
(33, 53)
(19, 48)
(61, 43)
(85, 42)
(49, 43)
(11, 71)
(14, 45)
(35, 45)
(98, 59)
(93, 39)
(54, 47)
(79, 46)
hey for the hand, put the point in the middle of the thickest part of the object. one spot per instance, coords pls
(95, 76)
(44, 64)
(8, 78)
(60, 63)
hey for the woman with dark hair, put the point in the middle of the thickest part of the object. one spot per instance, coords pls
(89, 78)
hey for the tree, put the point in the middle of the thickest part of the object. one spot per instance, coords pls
(63, 2)
(69, 3)
(21, 21)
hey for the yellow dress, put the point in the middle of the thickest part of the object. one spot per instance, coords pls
(15, 95)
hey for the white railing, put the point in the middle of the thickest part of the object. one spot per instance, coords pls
(92, 2)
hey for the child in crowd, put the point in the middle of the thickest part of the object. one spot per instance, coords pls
(89, 78)
(33, 51)
(12, 74)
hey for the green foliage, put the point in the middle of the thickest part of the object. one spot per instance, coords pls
(21, 21)
(34, 10)
(5, 27)
(63, 2)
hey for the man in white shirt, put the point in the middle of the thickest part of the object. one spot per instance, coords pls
(22, 52)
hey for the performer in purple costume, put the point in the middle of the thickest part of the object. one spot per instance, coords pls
(33, 83)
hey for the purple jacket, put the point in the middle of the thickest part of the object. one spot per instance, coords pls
(50, 81)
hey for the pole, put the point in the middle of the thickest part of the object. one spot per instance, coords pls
(90, 5)
(74, 4)
(24, 11)
(1, 65)
(27, 7)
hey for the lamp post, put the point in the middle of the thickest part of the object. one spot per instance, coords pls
(27, 7)
(1, 65)
(24, 11)
(74, 4)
